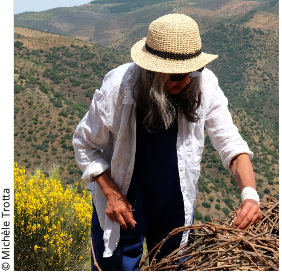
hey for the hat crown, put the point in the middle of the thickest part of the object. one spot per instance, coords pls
(174, 33)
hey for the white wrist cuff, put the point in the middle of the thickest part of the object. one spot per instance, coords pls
(249, 193)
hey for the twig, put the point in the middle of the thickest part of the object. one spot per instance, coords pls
(221, 247)
(273, 225)
(94, 258)
(154, 265)
(250, 259)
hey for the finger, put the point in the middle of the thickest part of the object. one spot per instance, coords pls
(121, 221)
(255, 219)
(252, 222)
(128, 217)
(113, 218)
(237, 222)
(238, 211)
(259, 217)
(241, 214)
(258, 220)
(250, 218)
(110, 214)
(239, 217)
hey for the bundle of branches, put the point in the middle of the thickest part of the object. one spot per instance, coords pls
(218, 246)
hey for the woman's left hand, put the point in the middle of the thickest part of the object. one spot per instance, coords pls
(248, 213)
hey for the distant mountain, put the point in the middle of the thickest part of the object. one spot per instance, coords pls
(243, 33)
(120, 23)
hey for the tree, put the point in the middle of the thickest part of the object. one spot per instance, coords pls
(198, 215)
(206, 205)
(229, 202)
(225, 211)
(18, 88)
(18, 44)
(207, 218)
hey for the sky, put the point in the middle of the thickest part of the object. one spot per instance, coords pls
(42, 5)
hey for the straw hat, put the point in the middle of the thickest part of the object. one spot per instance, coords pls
(173, 45)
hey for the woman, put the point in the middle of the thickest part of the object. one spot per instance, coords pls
(140, 145)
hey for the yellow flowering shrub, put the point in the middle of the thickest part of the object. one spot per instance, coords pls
(52, 224)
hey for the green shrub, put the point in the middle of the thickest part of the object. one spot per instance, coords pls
(43, 88)
(63, 113)
(18, 44)
(68, 136)
(225, 211)
(75, 82)
(206, 205)
(229, 202)
(18, 88)
(217, 206)
(67, 54)
(207, 218)
(198, 215)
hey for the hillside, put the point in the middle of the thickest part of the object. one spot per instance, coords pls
(53, 90)
(120, 23)
(56, 76)
(243, 33)
(247, 67)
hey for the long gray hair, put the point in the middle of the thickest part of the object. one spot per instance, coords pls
(159, 106)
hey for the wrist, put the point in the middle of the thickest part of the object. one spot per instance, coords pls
(112, 194)
(249, 193)
(108, 187)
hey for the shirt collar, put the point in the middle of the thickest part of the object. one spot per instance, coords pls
(127, 83)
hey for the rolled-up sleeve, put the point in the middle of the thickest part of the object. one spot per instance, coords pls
(90, 138)
(224, 135)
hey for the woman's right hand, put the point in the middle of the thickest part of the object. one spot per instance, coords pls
(118, 208)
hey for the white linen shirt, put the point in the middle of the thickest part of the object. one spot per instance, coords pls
(105, 140)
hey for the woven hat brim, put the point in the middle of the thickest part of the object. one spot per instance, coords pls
(170, 66)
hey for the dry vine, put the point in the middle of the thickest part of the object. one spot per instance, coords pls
(218, 246)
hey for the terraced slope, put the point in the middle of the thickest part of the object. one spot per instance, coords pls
(55, 77)
(53, 89)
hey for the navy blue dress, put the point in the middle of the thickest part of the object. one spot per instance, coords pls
(154, 193)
